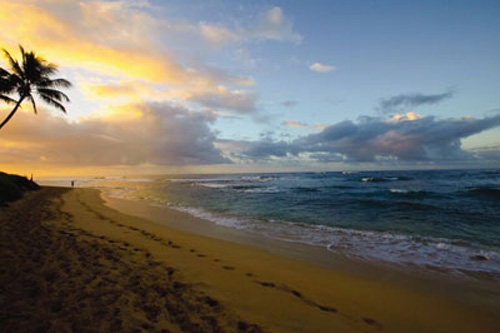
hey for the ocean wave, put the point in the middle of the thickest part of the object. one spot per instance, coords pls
(137, 180)
(452, 255)
(263, 190)
(257, 179)
(373, 180)
(213, 185)
(485, 191)
(398, 190)
(413, 194)
(218, 219)
(240, 188)
(200, 180)
(383, 179)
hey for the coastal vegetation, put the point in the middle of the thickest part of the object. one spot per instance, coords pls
(12, 187)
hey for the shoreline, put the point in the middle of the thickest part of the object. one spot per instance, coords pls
(248, 288)
(437, 254)
(473, 290)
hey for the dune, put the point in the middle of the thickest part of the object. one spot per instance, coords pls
(72, 263)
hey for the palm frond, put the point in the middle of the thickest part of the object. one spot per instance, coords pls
(46, 69)
(54, 94)
(4, 73)
(7, 99)
(8, 81)
(54, 83)
(32, 100)
(16, 68)
(6, 85)
(53, 102)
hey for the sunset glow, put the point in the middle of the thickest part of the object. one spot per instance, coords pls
(167, 87)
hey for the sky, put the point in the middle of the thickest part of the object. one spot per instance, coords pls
(257, 86)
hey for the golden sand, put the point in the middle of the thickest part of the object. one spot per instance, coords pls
(72, 263)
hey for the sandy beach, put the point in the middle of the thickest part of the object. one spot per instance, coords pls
(73, 263)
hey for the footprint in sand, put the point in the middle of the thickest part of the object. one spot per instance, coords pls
(209, 301)
(327, 308)
(299, 295)
(170, 271)
(228, 268)
(373, 322)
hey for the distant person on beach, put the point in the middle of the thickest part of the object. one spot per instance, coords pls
(72, 183)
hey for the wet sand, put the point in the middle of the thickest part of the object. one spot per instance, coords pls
(71, 263)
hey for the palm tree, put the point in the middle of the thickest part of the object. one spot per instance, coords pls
(32, 75)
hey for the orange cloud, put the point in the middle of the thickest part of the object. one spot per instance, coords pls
(404, 117)
(119, 44)
(321, 68)
(65, 40)
(121, 91)
(296, 124)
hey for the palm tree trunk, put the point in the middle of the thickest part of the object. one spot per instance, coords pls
(13, 111)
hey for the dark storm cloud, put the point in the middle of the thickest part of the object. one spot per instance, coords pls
(369, 139)
(405, 102)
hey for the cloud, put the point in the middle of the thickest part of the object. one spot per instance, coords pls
(118, 91)
(405, 102)
(373, 139)
(124, 44)
(115, 92)
(105, 37)
(218, 34)
(159, 134)
(236, 101)
(266, 148)
(403, 117)
(272, 24)
(321, 68)
(296, 124)
(219, 98)
(489, 153)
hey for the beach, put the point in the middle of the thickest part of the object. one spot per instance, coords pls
(75, 264)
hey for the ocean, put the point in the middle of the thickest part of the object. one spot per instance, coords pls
(446, 220)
